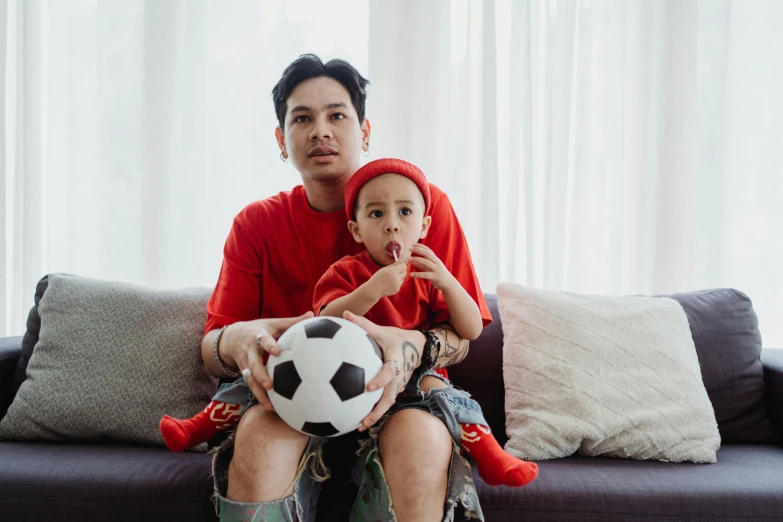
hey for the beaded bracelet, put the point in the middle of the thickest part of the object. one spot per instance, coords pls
(225, 369)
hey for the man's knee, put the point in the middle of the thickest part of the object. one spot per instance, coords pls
(266, 456)
(258, 425)
(416, 440)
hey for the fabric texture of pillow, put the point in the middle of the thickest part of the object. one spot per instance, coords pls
(601, 375)
(111, 359)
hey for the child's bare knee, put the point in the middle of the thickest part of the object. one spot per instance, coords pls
(429, 382)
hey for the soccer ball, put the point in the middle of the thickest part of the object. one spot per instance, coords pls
(320, 378)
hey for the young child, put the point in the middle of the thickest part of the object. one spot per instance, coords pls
(387, 202)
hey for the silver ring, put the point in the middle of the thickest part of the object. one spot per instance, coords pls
(396, 365)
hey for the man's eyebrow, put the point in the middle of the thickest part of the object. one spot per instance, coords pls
(305, 108)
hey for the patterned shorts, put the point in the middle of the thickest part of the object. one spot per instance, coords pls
(373, 502)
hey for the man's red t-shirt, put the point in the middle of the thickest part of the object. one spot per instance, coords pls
(417, 304)
(279, 248)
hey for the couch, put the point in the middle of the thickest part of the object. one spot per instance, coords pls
(113, 481)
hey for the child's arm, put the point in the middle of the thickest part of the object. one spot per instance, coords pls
(359, 302)
(465, 313)
(385, 282)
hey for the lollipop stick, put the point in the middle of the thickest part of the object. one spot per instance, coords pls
(395, 256)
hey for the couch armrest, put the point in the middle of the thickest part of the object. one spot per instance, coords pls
(10, 351)
(772, 360)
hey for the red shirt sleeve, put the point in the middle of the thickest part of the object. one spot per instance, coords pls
(447, 240)
(237, 294)
(334, 284)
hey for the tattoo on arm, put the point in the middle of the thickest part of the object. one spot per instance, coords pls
(450, 353)
(410, 356)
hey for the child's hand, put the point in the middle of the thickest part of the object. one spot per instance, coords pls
(430, 267)
(388, 280)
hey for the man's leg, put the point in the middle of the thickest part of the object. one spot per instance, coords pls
(267, 452)
(266, 471)
(416, 450)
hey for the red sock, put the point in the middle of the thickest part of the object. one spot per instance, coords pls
(495, 466)
(181, 434)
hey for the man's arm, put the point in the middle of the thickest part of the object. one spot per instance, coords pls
(242, 346)
(453, 348)
(208, 355)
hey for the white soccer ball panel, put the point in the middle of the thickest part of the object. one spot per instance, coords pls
(316, 359)
(353, 411)
(287, 410)
(316, 402)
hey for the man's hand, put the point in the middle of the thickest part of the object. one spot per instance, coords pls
(388, 280)
(397, 345)
(431, 267)
(247, 341)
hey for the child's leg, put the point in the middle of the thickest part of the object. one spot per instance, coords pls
(223, 412)
(495, 466)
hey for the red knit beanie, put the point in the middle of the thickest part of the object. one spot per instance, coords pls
(384, 166)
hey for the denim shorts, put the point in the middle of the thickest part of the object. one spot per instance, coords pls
(373, 502)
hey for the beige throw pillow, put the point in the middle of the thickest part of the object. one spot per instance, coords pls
(611, 376)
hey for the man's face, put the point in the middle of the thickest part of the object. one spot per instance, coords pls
(322, 136)
(389, 217)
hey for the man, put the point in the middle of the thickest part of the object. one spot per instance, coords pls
(276, 252)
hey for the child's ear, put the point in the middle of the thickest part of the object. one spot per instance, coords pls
(353, 226)
(425, 226)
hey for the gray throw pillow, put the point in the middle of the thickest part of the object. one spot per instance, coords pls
(111, 359)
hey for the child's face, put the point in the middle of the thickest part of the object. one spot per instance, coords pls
(389, 217)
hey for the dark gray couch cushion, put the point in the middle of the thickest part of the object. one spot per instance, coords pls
(745, 484)
(481, 373)
(725, 331)
(772, 359)
(67, 481)
(10, 351)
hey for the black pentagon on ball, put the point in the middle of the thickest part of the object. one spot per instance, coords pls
(348, 381)
(323, 328)
(320, 429)
(286, 379)
(375, 347)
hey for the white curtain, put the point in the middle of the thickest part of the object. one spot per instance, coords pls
(613, 146)
(135, 130)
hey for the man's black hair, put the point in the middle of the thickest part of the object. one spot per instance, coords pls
(310, 66)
